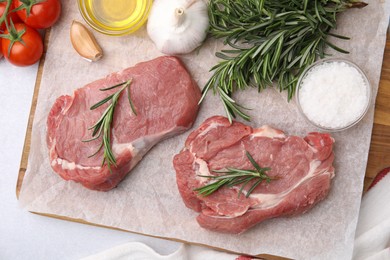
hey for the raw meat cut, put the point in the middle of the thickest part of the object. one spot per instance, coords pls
(302, 168)
(166, 102)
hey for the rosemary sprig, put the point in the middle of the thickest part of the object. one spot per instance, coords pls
(233, 176)
(103, 125)
(270, 40)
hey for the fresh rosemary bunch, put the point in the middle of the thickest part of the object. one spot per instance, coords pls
(233, 176)
(270, 40)
(103, 125)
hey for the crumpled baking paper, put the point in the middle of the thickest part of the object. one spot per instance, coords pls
(148, 201)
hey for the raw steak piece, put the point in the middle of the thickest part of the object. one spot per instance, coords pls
(166, 102)
(302, 168)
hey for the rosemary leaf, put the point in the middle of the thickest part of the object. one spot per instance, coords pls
(115, 86)
(103, 101)
(130, 101)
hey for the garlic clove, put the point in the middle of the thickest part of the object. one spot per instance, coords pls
(84, 42)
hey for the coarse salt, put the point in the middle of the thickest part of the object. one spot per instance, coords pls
(333, 94)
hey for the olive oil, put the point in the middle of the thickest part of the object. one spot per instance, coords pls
(117, 15)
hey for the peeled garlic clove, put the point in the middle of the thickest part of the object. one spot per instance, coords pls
(178, 26)
(84, 42)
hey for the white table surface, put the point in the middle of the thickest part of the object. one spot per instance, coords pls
(24, 235)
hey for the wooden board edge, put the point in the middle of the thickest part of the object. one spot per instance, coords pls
(379, 125)
(81, 221)
(27, 139)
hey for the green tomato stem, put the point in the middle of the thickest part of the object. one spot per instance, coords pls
(6, 10)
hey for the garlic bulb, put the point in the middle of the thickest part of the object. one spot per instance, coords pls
(178, 26)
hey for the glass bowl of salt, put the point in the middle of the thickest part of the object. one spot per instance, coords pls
(333, 94)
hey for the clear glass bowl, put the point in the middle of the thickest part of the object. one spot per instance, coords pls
(95, 16)
(349, 125)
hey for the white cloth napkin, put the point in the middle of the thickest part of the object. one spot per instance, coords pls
(140, 251)
(372, 240)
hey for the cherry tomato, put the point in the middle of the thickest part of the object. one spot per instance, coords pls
(26, 45)
(11, 15)
(39, 14)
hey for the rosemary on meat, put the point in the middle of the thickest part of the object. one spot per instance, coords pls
(104, 124)
(233, 176)
(270, 40)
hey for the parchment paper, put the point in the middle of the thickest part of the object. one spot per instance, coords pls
(148, 201)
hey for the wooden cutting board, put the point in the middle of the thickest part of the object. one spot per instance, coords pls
(379, 154)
